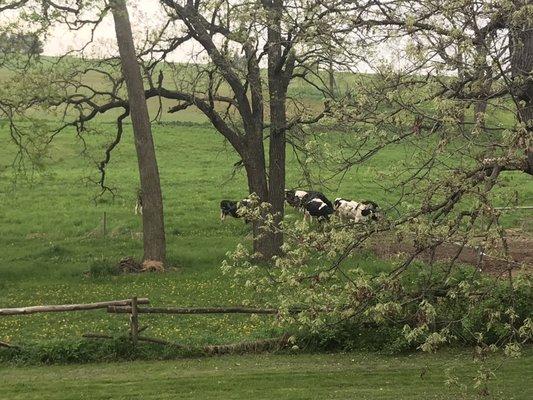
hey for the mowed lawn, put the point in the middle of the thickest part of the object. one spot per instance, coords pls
(321, 376)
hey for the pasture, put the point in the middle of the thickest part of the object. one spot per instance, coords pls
(52, 232)
(52, 235)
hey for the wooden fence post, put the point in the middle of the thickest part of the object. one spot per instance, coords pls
(134, 321)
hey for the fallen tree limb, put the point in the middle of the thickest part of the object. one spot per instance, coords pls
(192, 310)
(67, 307)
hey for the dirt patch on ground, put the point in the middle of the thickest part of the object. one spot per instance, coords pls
(520, 251)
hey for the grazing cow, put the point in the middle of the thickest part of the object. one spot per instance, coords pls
(356, 211)
(299, 198)
(231, 208)
(318, 208)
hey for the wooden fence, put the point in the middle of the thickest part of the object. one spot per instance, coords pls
(131, 307)
(134, 310)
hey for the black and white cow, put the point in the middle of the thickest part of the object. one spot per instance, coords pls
(231, 208)
(318, 208)
(298, 198)
(356, 211)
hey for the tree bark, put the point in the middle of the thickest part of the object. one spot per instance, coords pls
(255, 165)
(521, 48)
(277, 89)
(152, 217)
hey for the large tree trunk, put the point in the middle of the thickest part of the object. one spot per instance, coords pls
(152, 216)
(276, 181)
(254, 163)
(521, 45)
(480, 109)
(277, 89)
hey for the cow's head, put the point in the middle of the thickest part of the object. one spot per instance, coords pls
(370, 210)
(290, 197)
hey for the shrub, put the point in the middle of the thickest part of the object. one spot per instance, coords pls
(87, 350)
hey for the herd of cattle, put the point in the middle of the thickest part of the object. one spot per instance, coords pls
(313, 204)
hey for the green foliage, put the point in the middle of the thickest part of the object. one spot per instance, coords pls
(329, 300)
(352, 336)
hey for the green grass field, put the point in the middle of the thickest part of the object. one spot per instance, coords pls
(51, 234)
(321, 376)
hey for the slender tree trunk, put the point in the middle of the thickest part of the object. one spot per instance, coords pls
(485, 83)
(152, 216)
(461, 76)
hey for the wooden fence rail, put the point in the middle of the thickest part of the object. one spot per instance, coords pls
(191, 310)
(68, 307)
